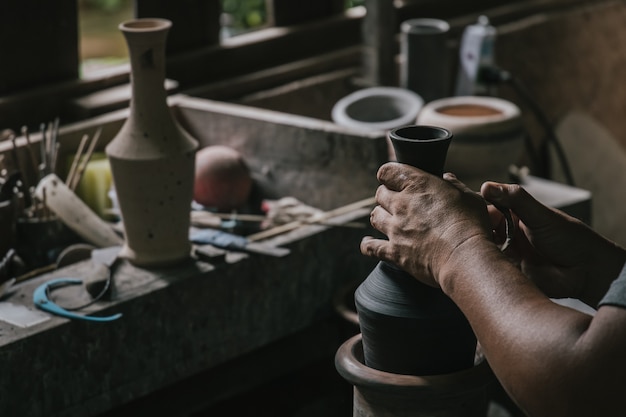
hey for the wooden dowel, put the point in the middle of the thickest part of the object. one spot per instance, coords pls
(316, 219)
(43, 167)
(261, 218)
(15, 156)
(54, 146)
(77, 156)
(241, 217)
(31, 151)
(49, 148)
(55, 156)
(83, 165)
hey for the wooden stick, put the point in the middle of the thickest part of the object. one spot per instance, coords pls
(314, 220)
(54, 145)
(43, 167)
(49, 148)
(55, 156)
(77, 156)
(16, 157)
(260, 218)
(241, 217)
(31, 152)
(81, 169)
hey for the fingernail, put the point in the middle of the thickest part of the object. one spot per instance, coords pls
(495, 191)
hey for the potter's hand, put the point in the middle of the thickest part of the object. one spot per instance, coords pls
(563, 256)
(425, 219)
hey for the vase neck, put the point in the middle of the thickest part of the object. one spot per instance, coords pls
(147, 80)
(146, 49)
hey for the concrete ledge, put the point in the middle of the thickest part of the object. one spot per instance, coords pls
(177, 322)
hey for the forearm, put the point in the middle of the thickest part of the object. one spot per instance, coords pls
(541, 352)
(608, 260)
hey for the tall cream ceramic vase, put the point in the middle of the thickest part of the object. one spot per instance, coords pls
(152, 158)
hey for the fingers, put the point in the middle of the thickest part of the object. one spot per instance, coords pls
(379, 218)
(513, 196)
(375, 248)
(397, 176)
(452, 179)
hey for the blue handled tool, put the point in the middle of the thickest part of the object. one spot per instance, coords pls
(41, 296)
(43, 302)
(229, 241)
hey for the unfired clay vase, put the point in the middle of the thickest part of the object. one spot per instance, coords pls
(152, 157)
(408, 327)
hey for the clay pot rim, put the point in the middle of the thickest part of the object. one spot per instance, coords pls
(144, 24)
(394, 133)
(424, 25)
(358, 374)
(509, 111)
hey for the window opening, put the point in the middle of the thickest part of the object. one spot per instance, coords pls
(354, 3)
(102, 45)
(242, 16)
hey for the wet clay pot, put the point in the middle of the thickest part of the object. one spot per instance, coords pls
(152, 158)
(464, 393)
(408, 327)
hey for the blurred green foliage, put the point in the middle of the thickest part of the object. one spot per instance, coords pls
(108, 6)
(354, 3)
(241, 14)
(245, 14)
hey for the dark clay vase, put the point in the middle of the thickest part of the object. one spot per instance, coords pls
(408, 327)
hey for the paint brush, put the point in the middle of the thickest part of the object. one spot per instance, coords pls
(77, 156)
(85, 160)
(54, 145)
(31, 152)
(42, 151)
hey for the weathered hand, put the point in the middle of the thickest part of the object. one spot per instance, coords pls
(562, 255)
(425, 219)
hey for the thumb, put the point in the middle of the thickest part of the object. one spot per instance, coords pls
(530, 211)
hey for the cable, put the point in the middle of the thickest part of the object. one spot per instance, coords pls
(493, 75)
(96, 298)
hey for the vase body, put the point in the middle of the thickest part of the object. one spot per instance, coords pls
(408, 327)
(152, 158)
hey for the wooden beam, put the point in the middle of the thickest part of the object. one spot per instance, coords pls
(289, 12)
(39, 43)
(378, 31)
(195, 23)
(264, 49)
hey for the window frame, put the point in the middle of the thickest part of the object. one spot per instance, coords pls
(197, 56)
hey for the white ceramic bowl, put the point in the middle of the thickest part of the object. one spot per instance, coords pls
(377, 108)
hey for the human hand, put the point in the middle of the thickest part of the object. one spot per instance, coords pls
(562, 255)
(425, 219)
